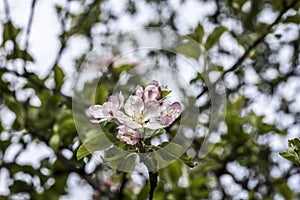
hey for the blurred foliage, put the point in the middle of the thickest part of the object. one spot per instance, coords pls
(294, 151)
(243, 165)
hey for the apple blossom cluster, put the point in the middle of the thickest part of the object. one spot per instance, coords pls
(146, 109)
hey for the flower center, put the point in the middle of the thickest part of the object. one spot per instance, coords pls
(128, 135)
(138, 117)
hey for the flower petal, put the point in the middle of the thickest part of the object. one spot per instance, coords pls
(127, 134)
(151, 92)
(109, 109)
(151, 110)
(154, 125)
(134, 105)
(139, 91)
(113, 99)
(96, 121)
(166, 120)
(175, 110)
(96, 111)
(133, 124)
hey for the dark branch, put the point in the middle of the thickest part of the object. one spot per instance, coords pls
(27, 35)
(259, 40)
(153, 183)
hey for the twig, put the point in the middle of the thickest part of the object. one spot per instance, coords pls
(41, 85)
(260, 39)
(27, 35)
(153, 183)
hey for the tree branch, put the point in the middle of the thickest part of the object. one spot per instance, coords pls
(259, 40)
(153, 183)
(27, 35)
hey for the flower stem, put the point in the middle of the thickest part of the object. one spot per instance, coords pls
(153, 183)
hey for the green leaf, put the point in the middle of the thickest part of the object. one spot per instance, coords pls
(119, 69)
(294, 151)
(18, 53)
(54, 142)
(189, 49)
(17, 108)
(289, 156)
(214, 37)
(200, 32)
(188, 160)
(292, 19)
(58, 76)
(82, 152)
(96, 143)
(101, 94)
(10, 32)
(294, 145)
(20, 186)
(220, 68)
(278, 5)
(143, 195)
(285, 191)
(164, 93)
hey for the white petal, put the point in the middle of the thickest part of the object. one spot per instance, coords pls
(133, 124)
(96, 111)
(109, 109)
(96, 121)
(134, 105)
(151, 92)
(154, 125)
(121, 117)
(139, 91)
(151, 110)
(114, 100)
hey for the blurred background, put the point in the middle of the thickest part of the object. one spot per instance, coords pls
(253, 44)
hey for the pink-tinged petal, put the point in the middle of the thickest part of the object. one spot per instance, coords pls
(139, 91)
(127, 134)
(176, 106)
(151, 92)
(151, 110)
(154, 125)
(96, 111)
(114, 100)
(96, 121)
(166, 120)
(134, 105)
(175, 110)
(153, 82)
(135, 137)
(109, 109)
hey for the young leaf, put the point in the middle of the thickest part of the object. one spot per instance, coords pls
(188, 160)
(164, 93)
(289, 156)
(214, 37)
(54, 142)
(200, 32)
(189, 49)
(96, 143)
(58, 76)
